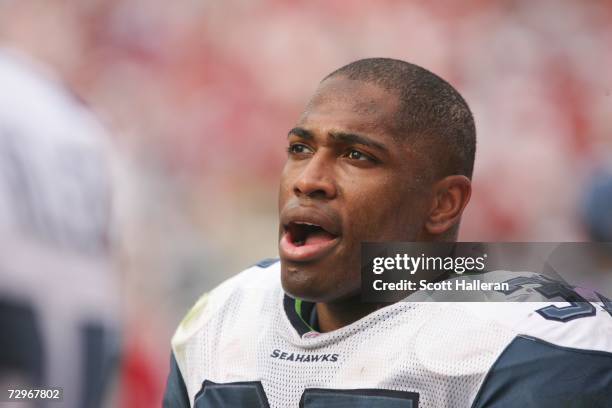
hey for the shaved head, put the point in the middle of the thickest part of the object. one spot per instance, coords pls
(431, 114)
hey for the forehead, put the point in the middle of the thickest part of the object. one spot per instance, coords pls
(347, 104)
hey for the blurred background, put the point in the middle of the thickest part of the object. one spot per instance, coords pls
(195, 99)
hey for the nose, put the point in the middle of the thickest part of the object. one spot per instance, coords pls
(316, 180)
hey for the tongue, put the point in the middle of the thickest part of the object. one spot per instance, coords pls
(317, 237)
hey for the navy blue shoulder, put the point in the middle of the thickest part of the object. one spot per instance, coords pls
(264, 263)
(533, 373)
(175, 395)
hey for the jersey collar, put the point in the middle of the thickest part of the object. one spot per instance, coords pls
(301, 314)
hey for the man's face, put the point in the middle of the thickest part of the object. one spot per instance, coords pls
(347, 180)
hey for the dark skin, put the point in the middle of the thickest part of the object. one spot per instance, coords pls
(349, 164)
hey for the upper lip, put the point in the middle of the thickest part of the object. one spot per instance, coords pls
(321, 217)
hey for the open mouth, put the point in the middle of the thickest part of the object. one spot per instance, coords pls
(303, 233)
(304, 241)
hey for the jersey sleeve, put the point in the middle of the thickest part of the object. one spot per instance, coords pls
(175, 395)
(532, 373)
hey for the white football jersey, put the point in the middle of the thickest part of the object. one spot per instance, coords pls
(248, 344)
(59, 295)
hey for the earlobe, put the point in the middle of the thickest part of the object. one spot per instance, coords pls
(450, 197)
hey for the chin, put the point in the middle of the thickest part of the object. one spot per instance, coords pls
(300, 281)
(312, 284)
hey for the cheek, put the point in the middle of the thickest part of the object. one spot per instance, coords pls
(385, 212)
(284, 187)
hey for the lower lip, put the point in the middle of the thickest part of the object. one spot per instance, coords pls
(291, 252)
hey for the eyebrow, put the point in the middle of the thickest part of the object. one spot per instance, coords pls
(301, 132)
(345, 137)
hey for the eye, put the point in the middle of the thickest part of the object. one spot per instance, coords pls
(357, 155)
(298, 148)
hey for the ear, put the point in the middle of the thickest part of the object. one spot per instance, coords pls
(450, 196)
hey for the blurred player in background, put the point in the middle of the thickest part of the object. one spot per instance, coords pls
(597, 207)
(596, 217)
(58, 285)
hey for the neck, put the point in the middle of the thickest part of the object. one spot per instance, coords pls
(335, 315)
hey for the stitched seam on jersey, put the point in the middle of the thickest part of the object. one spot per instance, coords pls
(599, 353)
(486, 377)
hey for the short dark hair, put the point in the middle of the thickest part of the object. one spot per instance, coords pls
(430, 110)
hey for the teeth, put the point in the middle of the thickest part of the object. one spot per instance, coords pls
(306, 223)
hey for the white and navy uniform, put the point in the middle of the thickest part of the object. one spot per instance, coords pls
(59, 295)
(248, 344)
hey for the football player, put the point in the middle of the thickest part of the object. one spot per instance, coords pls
(383, 151)
(59, 292)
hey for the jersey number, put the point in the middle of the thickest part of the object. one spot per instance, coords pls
(251, 394)
(578, 306)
